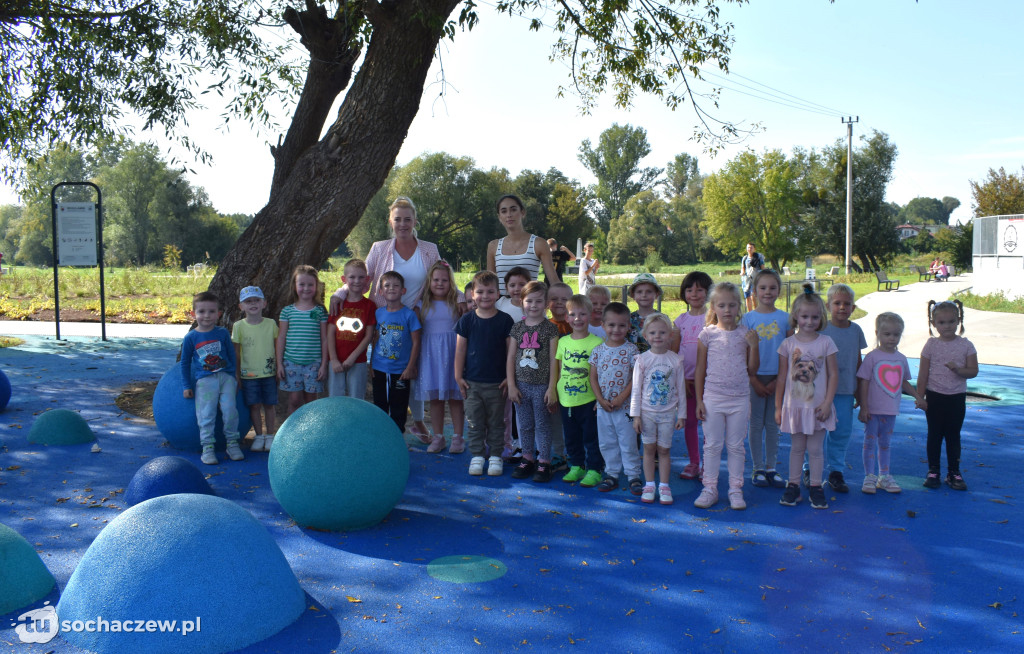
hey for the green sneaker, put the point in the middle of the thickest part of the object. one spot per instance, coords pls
(591, 479)
(575, 474)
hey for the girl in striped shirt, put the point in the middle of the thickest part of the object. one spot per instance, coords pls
(302, 340)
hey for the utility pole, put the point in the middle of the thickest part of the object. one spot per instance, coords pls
(849, 121)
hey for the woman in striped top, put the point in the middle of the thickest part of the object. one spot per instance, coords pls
(519, 247)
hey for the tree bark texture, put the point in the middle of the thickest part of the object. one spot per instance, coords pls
(316, 203)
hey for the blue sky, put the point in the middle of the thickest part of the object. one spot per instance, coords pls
(942, 78)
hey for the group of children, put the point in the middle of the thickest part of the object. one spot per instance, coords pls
(595, 383)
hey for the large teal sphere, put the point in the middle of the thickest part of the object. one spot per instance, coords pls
(5, 390)
(338, 464)
(183, 557)
(60, 427)
(23, 576)
(175, 415)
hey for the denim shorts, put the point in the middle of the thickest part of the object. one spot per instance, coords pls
(262, 390)
(301, 378)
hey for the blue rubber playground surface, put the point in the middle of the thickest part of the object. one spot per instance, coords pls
(478, 563)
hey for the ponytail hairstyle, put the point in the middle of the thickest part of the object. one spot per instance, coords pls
(716, 290)
(808, 297)
(956, 306)
(765, 272)
(451, 299)
(303, 269)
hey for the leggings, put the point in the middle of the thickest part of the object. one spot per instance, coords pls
(725, 425)
(814, 445)
(534, 424)
(690, 429)
(945, 416)
(878, 433)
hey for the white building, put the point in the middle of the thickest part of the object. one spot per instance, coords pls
(998, 255)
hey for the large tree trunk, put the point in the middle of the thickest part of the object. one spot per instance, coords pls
(316, 202)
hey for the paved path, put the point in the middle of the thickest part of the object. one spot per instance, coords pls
(999, 337)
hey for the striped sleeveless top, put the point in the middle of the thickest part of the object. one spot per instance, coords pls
(506, 262)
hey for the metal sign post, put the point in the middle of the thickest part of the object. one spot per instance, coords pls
(77, 241)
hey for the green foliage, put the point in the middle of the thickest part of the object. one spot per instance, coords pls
(653, 262)
(639, 230)
(755, 198)
(995, 302)
(924, 243)
(172, 257)
(875, 240)
(69, 71)
(926, 211)
(1000, 194)
(615, 162)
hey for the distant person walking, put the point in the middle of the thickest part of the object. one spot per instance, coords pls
(588, 269)
(752, 262)
(560, 255)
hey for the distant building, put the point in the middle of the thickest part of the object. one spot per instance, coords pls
(911, 231)
(998, 255)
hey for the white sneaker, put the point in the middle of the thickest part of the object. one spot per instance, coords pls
(209, 456)
(235, 452)
(665, 494)
(495, 466)
(267, 442)
(647, 496)
(708, 498)
(888, 484)
(257, 443)
(869, 485)
(736, 501)
(476, 465)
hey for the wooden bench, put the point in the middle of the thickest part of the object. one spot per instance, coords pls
(923, 274)
(883, 280)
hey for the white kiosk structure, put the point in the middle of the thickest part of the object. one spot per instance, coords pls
(998, 255)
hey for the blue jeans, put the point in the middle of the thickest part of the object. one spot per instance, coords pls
(836, 441)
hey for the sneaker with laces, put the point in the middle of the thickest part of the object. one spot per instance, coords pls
(956, 480)
(707, 498)
(234, 451)
(574, 475)
(932, 480)
(817, 495)
(665, 494)
(436, 444)
(591, 479)
(759, 479)
(543, 473)
(647, 497)
(524, 470)
(791, 496)
(476, 465)
(869, 485)
(209, 457)
(888, 484)
(257, 443)
(691, 471)
(458, 445)
(836, 481)
(736, 501)
(495, 466)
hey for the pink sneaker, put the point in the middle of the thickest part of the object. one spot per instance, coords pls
(458, 445)
(691, 471)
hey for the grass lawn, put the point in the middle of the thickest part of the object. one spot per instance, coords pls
(158, 295)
